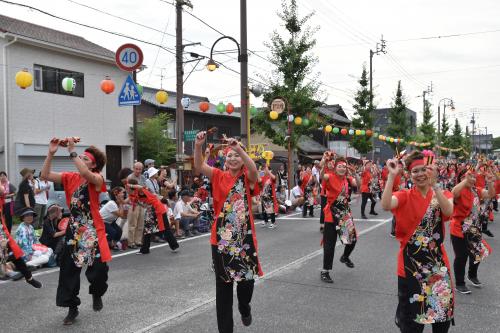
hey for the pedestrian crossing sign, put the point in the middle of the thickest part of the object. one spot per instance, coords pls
(129, 94)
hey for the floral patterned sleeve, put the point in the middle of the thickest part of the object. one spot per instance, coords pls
(23, 241)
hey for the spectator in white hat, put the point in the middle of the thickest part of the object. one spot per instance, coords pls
(148, 163)
(152, 181)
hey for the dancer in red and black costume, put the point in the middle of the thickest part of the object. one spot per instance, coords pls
(367, 178)
(9, 250)
(338, 216)
(466, 236)
(86, 243)
(268, 198)
(327, 156)
(233, 240)
(425, 289)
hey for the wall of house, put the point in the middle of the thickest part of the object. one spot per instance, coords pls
(35, 117)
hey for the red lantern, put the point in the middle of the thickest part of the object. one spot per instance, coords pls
(369, 133)
(229, 108)
(343, 131)
(107, 85)
(204, 106)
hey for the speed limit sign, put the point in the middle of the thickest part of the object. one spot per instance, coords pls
(129, 57)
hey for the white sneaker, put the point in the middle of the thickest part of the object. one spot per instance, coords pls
(272, 226)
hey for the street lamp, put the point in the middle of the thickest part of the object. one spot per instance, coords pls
(243, 60)
(450, 104)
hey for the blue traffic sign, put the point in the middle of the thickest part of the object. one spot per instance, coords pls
(129, 95)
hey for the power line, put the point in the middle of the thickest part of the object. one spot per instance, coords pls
(447, 36)
(87, 26)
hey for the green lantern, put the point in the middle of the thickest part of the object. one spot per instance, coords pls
(363, 132)
(305, 122)
(140, 89)
(336, 130)
(375, 135)
(388, 139)
(253, 111)
(221, 108)
(68, 84)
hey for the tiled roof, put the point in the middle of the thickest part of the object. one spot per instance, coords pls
(55, 37)
(334, 112)
(308, 145)
(149, 96)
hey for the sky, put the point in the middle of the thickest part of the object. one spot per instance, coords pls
(465, 68)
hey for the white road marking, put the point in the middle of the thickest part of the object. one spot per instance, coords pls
(292, 265)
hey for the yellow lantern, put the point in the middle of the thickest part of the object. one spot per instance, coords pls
(298, 120)
(273, 115)
(391, 139)
(24, 79)
(328, 128)
(358, 132)
(162, 96)
(268, 156)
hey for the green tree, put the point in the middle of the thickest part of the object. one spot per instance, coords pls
(426, 130)
(293, 59)
(445, 127)
(496, 143)
(398, 123)
(152, 140)
(363, 118)
(457, 138)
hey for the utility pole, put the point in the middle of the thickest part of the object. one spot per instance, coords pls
(473, 122)
(425, 92)
(379, 48)
(245, 134)
(179, 110)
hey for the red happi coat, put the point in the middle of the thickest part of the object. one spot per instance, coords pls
(149, 198)
(16, 250)
(273, 190)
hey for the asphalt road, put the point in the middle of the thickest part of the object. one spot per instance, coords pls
(175, 292)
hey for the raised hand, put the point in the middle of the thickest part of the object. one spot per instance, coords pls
(200, 138)
(393, 167)
(53, 145)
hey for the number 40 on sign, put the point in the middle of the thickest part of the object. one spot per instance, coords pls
(129, 57)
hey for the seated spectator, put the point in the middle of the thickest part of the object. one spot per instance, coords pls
(174, 224)
(297, 197)
(110, 212)
(35, 254)
(187, 216)
(282, 198)
(52, 235)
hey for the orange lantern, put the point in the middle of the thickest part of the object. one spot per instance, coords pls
(107, 86)
(229, 108)
(369, 132)
(204, 106)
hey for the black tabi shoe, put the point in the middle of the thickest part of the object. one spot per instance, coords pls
(475, 281)
(247, 320)
(35, 283)
(393, 234)
(463, 289)
(488, 233)
(363, 216)
(325, 277)
(97, 303)
(70, 318)
(347, 262)
(373, 213)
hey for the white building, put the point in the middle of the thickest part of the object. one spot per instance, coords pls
(30, 117)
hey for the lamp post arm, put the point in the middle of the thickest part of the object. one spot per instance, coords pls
(226, 37)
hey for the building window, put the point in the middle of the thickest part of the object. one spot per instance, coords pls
(171, 129)
(49, 79)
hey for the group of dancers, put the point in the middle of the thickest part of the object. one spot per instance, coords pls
(425, 284)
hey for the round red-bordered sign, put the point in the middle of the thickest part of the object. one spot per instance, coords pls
(129, 57)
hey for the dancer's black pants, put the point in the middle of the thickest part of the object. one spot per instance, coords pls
(20, 266)
(69, 279)
(224, 302)
(167, 234)
(322, 215)
(329, 241)
(461, 256)
(404, 318)
(364, 199)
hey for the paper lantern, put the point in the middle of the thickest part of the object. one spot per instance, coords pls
(381, 137)
(392, 140)
(68, 84)
(273, 115)
(351, 132)
(221, 107)
(204, 106)
(343, 131)
(328, 128)
(369, 133)
(253, 111)
(298, 121)
(363, 132)
(185, 102)
(305, 122)
(290, 118)
(107, 86)
(336, 130)
(358, 132)
(162, 96)
(395, 140)
(140, 89)
(229, 108)
(24, 79)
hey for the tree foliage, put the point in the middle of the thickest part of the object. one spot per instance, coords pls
(398, 125)
(445, 127)
(426, 130)
(363, 118)
(293, 60)
(153, 142)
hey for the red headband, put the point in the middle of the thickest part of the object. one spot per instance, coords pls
(340, 162)
(90, 156)
(416, 163)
